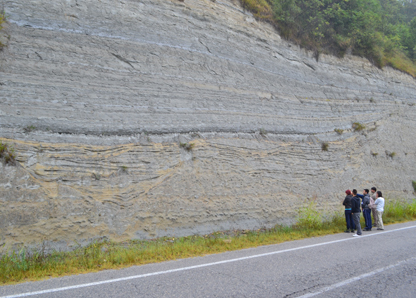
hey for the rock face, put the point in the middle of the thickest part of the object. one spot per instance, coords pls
(103, 99)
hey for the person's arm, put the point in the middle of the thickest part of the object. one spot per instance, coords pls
(360, 196)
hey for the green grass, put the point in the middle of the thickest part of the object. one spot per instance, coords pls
(401, 62)
(21, 266)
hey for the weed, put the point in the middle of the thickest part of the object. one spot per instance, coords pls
(263, 132)
(358, 126)
(374, 153)
(2, 21)
(309, 217)
(7, 153)
(399, 210)
(372, 100)
(339, 131)
(391, 154)
(324, 146)
(187, 146)
(29, 129)
(96, 176)
(124, 169)
(414, 185)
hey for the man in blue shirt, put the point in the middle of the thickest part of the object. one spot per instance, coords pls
(366, 209)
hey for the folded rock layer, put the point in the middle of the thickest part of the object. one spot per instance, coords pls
(138, 119)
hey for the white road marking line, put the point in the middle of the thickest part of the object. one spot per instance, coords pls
(348, 281)
(194, 267)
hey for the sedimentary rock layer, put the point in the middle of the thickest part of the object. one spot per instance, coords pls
(101, 100)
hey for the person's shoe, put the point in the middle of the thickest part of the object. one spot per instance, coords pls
(380, 229)
(365, 230)
(356, 235)
(346, 231)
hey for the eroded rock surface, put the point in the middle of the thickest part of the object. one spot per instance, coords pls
(98, 96)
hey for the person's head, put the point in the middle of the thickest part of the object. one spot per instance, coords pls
(379, 194)
(366, 191)
(354, 192)
(373, 190)
(348, 192)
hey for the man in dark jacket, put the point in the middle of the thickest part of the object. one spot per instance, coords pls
(356, 211)
(348, 215)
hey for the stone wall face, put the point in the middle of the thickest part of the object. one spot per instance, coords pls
(98, 96)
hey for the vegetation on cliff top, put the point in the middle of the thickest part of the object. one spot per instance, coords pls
(383, 31)
(23, 265)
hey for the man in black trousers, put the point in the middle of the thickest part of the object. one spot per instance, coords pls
(356, 212)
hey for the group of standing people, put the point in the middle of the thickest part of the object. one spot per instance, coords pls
(369, 204)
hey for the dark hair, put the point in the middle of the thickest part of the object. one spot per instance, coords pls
(373, 188)
(379, 194)
(354, 191)
(366, 190)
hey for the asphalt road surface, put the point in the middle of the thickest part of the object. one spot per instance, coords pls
(377, 264)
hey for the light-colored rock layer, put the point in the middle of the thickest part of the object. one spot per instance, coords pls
(113, 88)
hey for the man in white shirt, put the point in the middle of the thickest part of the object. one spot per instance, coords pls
(379, 210)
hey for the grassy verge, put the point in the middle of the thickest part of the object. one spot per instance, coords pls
(24, 266)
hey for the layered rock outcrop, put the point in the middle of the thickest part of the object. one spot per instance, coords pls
(102, 99)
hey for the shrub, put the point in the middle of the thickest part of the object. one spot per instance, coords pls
(2, 21)
(96, 176)
(187, 146)
(339, 131)
(325, 146)
(414, 185)
(358, 126)
(263, 132)
(391, 154)
(7, 153)
(261, 9)
(28, 129)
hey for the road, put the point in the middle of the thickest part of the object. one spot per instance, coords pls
(378, 264)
